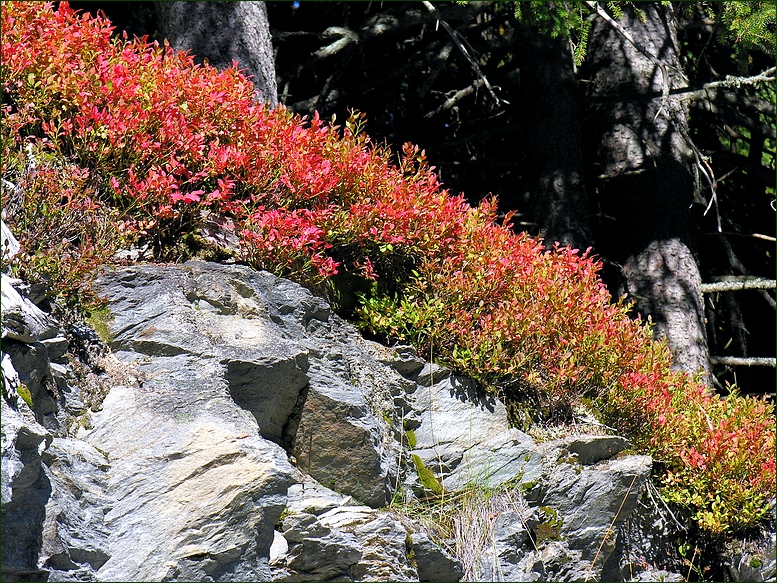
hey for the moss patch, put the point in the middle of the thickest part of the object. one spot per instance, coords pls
(100, 319)
(426, 476)
(550, 529)
(25, 394)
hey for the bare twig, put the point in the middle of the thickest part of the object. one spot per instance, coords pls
(655, 496)
(703, 164)
(458, 40)
(744, 361)
(736, 264)
(455, 98)
(754, 235)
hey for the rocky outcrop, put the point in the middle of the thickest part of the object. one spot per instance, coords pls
(565, 528)
(327, 536)
(241, 431)
(464, 437)
(274, 347)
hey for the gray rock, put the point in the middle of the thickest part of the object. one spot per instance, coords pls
(384, 552)
(465, 437)
(75, 539)
(284, 362)
(212, 312)
(33, 365)
(281, 366)
(196, 487)
(31, 340)
(22, 320)
(511, 531)
(339, 441)
(328, 537)
(512, 554)
(26, 489)
(196, 491)
(11, 380)
(9, 244)
(431, 374)
(528, 568)
(433, 562)
(327, 556)
(584, 505)
(55, 347)
(405, 360)
(567, 525)
(310, 497)
(591, 496)
(590, 449)
(23, 441)
(654, 575)
(182, 475)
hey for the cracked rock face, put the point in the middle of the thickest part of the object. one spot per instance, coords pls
(465, 437)
(325, 535)
(304, 375)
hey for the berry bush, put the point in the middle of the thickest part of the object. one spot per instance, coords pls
(135, 144)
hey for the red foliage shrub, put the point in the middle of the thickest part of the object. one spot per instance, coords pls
(65, 231)
(165, 139)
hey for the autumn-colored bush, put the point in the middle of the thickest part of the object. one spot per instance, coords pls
(64, 229)
(156, 143)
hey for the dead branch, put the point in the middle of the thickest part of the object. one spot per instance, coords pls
(735, 263)
(741, 361)
(455, 98)
(727, 283)
(344, 36)
(458, 40)
(437, 65)
(730, 81)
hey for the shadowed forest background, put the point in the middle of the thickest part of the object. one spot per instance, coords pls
(664, 166)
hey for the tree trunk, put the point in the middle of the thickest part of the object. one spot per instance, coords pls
(222, 32)
(645, 176)
(558, 200)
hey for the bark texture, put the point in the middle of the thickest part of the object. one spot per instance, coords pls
(645, 176)
(558, 200)
(222, 32)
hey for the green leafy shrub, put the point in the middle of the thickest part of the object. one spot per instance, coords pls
(155, 143)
